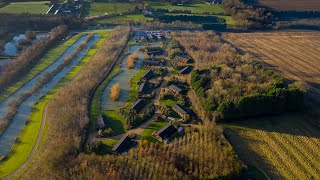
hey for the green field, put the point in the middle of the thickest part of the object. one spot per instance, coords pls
(37, 7)
(134, 87)
(99, 8)
(285, 147)
(125, 18)
(51, 56)
(27, 137)
(154, 126)
(196, 7)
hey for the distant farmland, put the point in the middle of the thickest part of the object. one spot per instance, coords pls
(291, 5)
(36, 7)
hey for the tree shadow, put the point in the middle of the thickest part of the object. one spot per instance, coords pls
(296, 124)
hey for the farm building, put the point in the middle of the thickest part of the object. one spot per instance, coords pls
(101, 122)
(185, 70)
(143, 88)
(138, 105)
(179, 110)
(174, 89)
(166, 133)
(147, 75)
(183, 59)
(124, 144)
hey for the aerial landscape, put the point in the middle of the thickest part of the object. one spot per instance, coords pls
(160, 89)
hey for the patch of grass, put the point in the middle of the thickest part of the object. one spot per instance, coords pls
(109, 143)
(28, 135)
(98, 8)
(168, 102)
(196, 7)
(36, 7)
(125, 18)
(154, 126)
(50, 57)
(116, 122)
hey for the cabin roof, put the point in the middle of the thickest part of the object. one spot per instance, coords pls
(175, 88)
(138, 105)
(179, 109)
(143, 87)
(124, 144)
(185, 70)
(167, 131)
(147, 74)
(182, 58)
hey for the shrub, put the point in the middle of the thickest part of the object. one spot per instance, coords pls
(115, 92)
(226, 110)
(131, 60)
(210, 105)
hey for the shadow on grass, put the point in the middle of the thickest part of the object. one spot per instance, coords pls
(297, 124)
(115, 121)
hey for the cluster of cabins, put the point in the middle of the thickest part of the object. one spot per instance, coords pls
(149, 36)
(165, 135)
(184, 60)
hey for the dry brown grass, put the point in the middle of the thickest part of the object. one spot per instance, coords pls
(291, 5)
(115, 92)
(131, 60)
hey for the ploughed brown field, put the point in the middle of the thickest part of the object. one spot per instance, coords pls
(294, 55)
(286, 146)
(291, 5)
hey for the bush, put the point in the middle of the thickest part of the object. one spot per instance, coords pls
(210, 105)
(227, 110)
(115, 92)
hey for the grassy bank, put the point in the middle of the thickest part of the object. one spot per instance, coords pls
(28, 137)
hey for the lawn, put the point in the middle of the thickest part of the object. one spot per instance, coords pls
(50, 57)
(197, 7)
(116, 122)
(37, 7)
(99, 8)
(27, 137)
(125, 18)
(285, 147)
(168, 102)
(154, 126)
